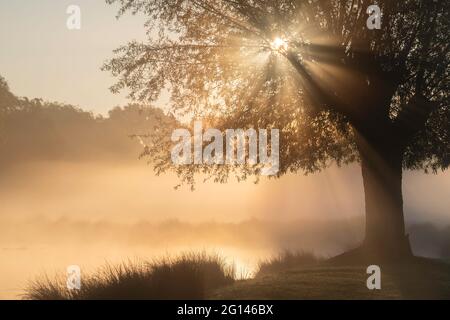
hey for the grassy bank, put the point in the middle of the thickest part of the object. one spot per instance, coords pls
(287, 276)
(188, 276)
(419, 279)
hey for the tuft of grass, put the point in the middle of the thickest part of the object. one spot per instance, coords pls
(187, 276)
(287, 260)
(45, 288)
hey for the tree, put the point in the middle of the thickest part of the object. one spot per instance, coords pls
(7, 100)
(338, 91)
(7, 103)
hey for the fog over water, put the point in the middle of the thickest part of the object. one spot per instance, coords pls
(54, 214)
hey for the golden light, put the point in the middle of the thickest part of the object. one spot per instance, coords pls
(279, 44)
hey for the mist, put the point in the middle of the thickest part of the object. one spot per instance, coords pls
(59, 213)
(73, 192)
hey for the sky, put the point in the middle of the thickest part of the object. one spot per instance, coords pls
(41, 58)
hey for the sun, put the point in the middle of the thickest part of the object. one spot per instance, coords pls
(279, 44)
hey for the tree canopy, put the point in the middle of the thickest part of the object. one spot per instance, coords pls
(7, 99)
(311, 68)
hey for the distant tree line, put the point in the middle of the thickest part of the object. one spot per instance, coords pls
(34, 129)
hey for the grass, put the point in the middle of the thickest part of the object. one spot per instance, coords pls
(419, 279)
(287, 260)
(290, 275)
(188, 276)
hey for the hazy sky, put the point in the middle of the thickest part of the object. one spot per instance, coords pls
(40, 57)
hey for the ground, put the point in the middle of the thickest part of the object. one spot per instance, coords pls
(420, 279)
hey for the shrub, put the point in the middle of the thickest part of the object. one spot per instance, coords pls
(187, 276)
(287, 260)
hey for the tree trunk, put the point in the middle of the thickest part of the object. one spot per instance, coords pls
(382, 178)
